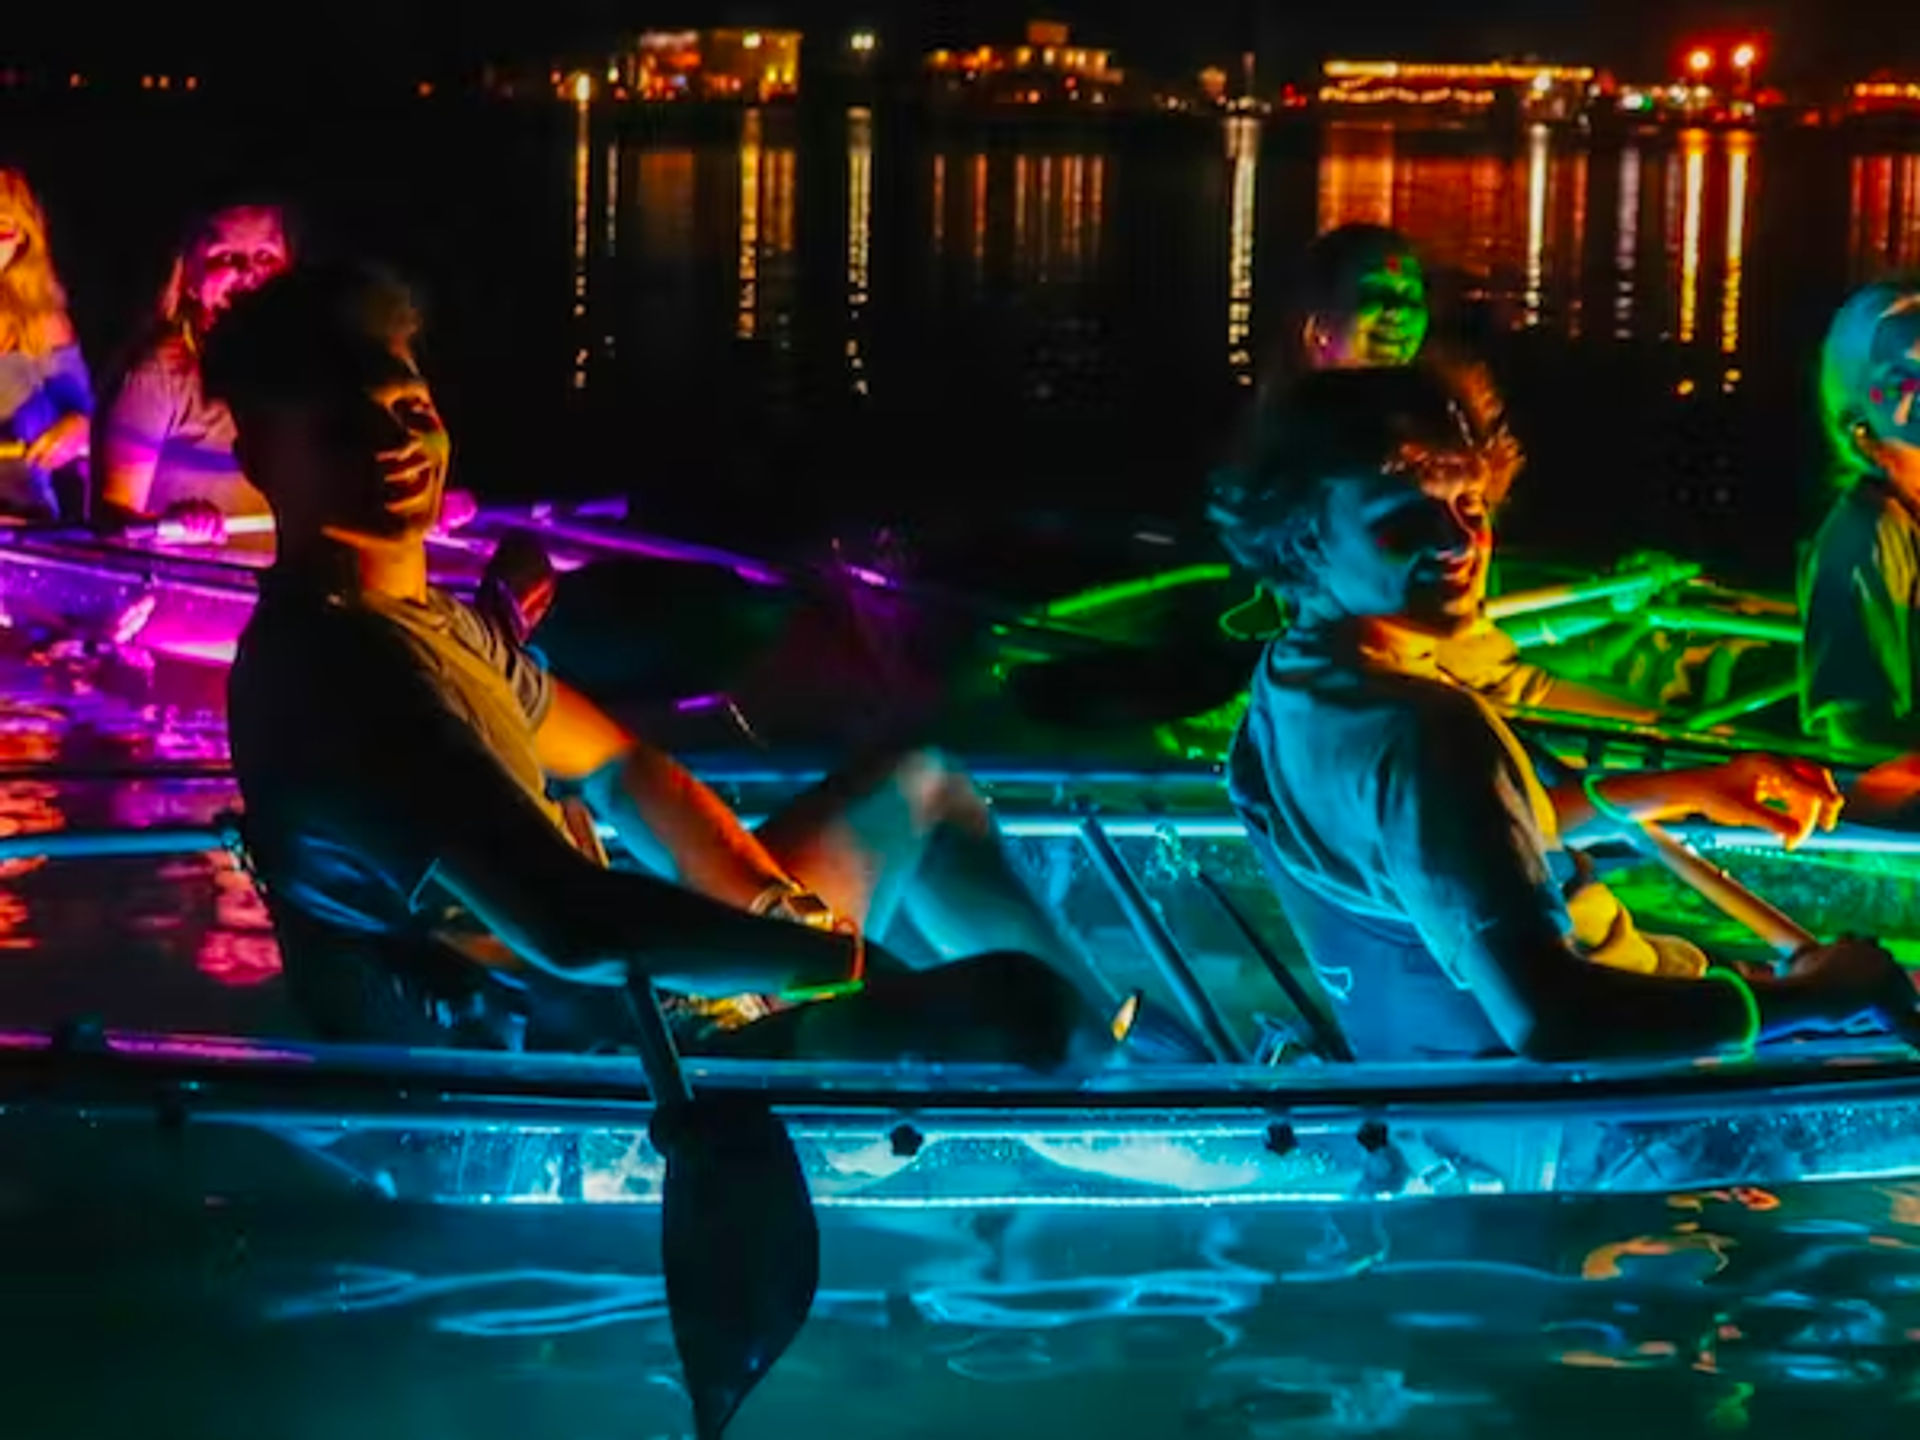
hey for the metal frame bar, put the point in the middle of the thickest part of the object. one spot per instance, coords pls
(1161, 947)
(1751, 703)
(1329, 1042)
(300, 1078)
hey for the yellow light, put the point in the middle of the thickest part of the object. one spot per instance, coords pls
(613, 75)
(1542, 83)
(1414, 70)
(1744, 57)
(862, 41)
(583, 88)
(752, 40)
(1700, 61)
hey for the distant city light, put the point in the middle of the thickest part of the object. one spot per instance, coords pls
(1744, 57)
(1542, 83)
(583, 88)
(751, 40)
(861, 41)
(1700, 61)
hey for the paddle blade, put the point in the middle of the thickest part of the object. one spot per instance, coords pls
(741, 1248)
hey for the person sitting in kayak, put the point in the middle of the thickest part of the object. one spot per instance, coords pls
(1361, 303)
(1412, 845)
(45, 394)
(166, 447)
(397, 756)
(1860, 585)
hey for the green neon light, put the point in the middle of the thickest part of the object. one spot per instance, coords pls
(1761, 699)
(1719, 622)
(1103, 597)
(1580, 592)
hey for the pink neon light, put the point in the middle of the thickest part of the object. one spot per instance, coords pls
(205, 652)
(193, 1047)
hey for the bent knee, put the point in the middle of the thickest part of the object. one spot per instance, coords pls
(939, 787)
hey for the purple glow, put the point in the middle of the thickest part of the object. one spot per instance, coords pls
(25, 1040)
(869, 577)
(193, 1047)
(699, 702)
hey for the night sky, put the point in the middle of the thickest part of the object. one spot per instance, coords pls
(1827, 40)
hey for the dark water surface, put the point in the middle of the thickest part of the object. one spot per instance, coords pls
(785, 323)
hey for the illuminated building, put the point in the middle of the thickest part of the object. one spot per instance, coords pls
(1213, 84)
(1544, 92)
(1712, 81)
(1884, 95)
(1047, 69)
(754, 66)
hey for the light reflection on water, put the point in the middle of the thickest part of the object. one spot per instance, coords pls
(1692, 1314)
(179, 942)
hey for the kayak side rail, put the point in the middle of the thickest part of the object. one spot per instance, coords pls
(156, 840)
(220, 1079)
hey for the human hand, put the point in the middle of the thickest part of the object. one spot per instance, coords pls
(193, 522)
(1855, 978)
(60, 444)
(1791, 798)
(457, 509)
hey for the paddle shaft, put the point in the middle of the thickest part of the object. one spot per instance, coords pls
(658, 1057)
(1736, 901)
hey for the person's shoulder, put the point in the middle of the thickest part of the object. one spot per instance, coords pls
(166, 361)
(1866, 517)
(1435, 724)
(312, 642)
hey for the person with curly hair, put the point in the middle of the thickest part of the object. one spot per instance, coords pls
(1361, 303)
(1416, 852)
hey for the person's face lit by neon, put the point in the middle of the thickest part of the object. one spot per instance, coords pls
(1892, 402)
(242, 250)
(1382, 320)
(1410, 547)
(365, 462)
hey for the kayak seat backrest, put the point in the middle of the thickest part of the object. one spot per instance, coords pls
(369, 989)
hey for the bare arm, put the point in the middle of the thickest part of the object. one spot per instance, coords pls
(666, 817)
(1583, 699)
(427, 803)
(132, 433)
(1791, 798)
(563, 914)
(1471, 868)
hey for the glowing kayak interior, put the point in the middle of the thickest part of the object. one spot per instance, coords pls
(200, 1043)
(1144, 864)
